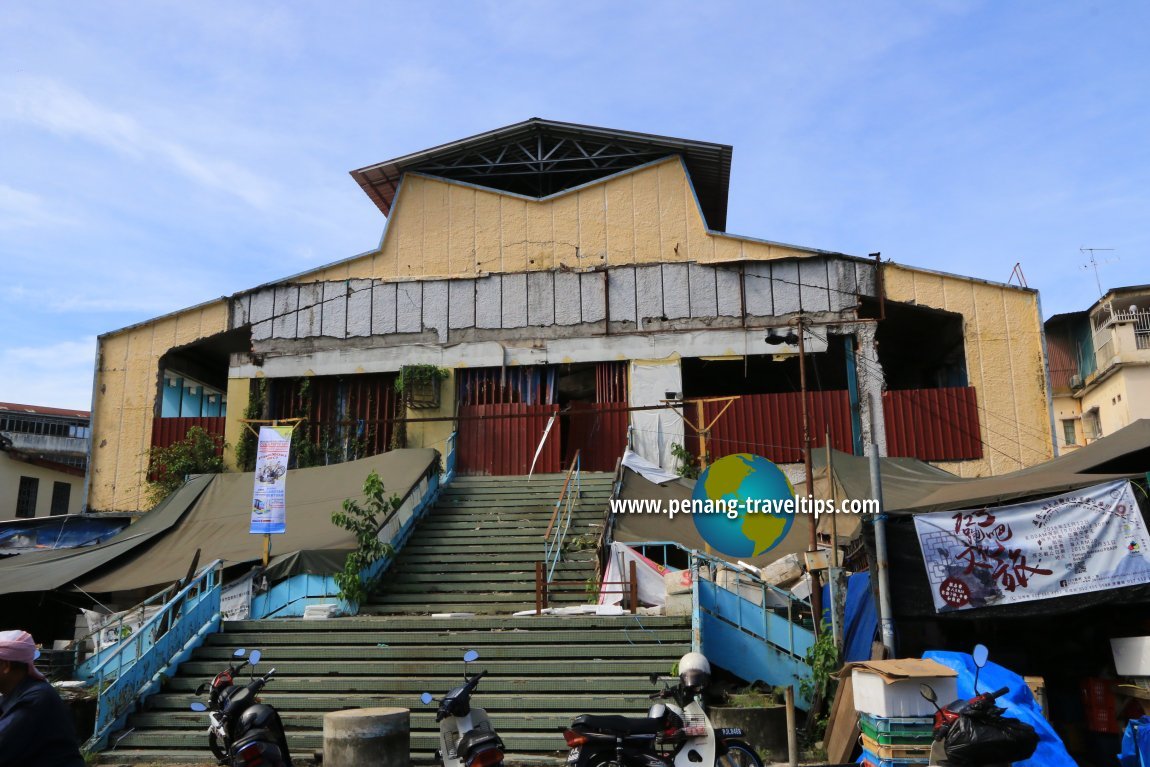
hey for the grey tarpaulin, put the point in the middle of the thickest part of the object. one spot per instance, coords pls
(47, 570)
(218, 523)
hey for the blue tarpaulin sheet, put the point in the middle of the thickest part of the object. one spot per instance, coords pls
(861, 619)
(1019, 704)
(1136, 743)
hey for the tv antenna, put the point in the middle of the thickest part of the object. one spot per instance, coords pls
(1094, 264)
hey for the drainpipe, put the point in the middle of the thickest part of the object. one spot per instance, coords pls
(882, 564)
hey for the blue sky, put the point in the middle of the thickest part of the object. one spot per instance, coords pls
(156, 155)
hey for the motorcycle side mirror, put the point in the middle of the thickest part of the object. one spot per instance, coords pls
(239, 653)
(255, 657)
(202, 689)
(470, 655)
(980, 656)
(426, 698)
(926, 691)
(654, 677)
(197, 706)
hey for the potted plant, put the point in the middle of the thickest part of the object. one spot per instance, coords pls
(760, 712)
(419, 385)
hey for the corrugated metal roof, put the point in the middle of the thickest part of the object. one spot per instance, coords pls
(708, 164)
(12, 407)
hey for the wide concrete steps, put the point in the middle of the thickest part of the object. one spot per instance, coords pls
(477, 549)
(542, 672)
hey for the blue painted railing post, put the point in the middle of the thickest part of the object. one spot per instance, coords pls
(449, 460)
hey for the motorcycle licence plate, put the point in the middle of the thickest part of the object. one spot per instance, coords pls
(730, 732)
(573, 756)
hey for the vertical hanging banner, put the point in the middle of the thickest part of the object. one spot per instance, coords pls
(1081, 541)
(269, 508)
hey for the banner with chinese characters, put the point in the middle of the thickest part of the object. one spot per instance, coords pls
(268, 499)
(1084, 540)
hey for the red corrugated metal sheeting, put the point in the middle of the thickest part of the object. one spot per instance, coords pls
(341, 411)
(167, 431)
(503, 439)
(771, 425)
(599, 430)
(933, 424)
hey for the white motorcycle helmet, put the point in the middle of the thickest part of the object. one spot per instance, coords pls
(694, 671)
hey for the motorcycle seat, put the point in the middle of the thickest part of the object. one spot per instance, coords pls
(618, 725)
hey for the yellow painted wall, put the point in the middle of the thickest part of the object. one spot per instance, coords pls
(127, 378)
(1121, 399)
(12, 470)
(442, 229)
(1004, 360)
(239, 394)
(1068, 409)
(434, 434)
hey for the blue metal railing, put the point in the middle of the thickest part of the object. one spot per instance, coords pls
(743, 623)
(449, 459)
(132, 670)
(561, 517)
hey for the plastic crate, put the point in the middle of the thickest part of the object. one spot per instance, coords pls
(917, 752)
(874, 760)
(897, 731)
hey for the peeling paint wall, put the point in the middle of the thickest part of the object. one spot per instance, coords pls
(1005, 362)
(654, 297)
(440, 228)
(127, 375)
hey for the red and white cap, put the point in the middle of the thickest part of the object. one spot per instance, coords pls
(19, 647)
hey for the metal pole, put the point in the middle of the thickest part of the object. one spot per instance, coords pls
(816, 584)
(792, 728)
(882, 565)
(832, 570)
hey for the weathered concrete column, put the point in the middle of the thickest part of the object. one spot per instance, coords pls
(375, 736)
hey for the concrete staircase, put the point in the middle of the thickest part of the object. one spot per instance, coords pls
(476, 551)
(542, 670)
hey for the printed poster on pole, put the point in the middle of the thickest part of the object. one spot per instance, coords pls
(269, 507)
(1085, 540)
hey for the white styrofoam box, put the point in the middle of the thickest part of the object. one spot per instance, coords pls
(879, 696)
(1131, 656)
(783, 570)
(677, 581)
(678, 604)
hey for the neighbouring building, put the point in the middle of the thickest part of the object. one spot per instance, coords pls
(43, 456)
(549, 269)
(1100, 366)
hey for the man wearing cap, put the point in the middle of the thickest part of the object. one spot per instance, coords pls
(36, 728)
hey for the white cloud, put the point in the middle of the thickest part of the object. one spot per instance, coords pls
(55, 375)
(20, 209)
(55, 107)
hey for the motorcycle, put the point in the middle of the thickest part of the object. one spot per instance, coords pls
(676, 733)
(242, 731)
(466, 737)
(974, 733)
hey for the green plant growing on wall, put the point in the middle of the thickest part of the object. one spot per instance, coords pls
(246, 447)
(199, 452)
(416, 375)
(823, 659)
(686, 462)
(418, 385)
(364, 521)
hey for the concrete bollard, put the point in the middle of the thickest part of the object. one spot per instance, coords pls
(375, 736)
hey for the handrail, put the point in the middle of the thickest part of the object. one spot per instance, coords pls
(562, 513)
(155, 646)
(608, 530)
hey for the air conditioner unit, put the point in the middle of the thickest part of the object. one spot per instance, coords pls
(1075, 382)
